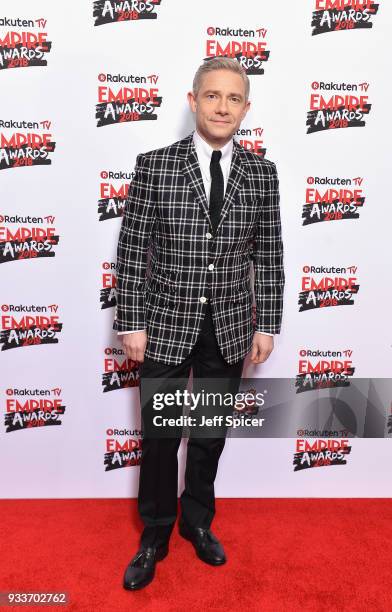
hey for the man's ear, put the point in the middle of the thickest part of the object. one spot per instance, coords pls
(247, 107)
(192, 101)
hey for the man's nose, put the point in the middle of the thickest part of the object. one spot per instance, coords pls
(222, 106)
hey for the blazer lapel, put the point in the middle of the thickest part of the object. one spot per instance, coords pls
(192, 172)
(236, 178)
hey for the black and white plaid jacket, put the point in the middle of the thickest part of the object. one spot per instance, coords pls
(166, 214)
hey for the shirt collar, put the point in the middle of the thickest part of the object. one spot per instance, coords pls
(203, 146)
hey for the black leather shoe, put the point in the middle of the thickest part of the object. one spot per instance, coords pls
(141, 569)
(207, 546)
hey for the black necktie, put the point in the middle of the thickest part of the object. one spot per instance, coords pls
(217, 188)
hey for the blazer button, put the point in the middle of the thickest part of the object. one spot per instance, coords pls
(202, 299)
(208, 235)
(211, 267)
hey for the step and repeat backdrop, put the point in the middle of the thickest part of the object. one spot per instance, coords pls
(87, 86)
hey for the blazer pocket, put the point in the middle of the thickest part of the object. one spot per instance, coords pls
(163, 283)
(241, 296)
(251, 206)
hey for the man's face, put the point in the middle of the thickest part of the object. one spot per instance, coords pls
(219, 106)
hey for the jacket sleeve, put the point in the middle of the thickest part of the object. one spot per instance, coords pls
(136, 228)
(268, 257)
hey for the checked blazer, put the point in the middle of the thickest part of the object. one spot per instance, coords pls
(170, 262)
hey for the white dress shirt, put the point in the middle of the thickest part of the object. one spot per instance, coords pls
(204, 152)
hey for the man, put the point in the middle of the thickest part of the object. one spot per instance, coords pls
(202, 208)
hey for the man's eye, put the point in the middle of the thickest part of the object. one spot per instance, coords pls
(235, 99)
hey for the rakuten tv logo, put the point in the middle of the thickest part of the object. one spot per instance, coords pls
(113, 11)
(251, 54)
(27, 237)
(120, 454)
(334, 15)
(126, 104)
(332, 203)
(30, 408)
(319, 369)
(108, 297)
(320, 290)
(31, 329)
(252, 140)
(27, 143)
(112, 197)
(119, 371)
(23, 48)
(329, 112)
(320, 453)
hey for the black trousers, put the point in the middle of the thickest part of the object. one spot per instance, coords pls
(158, 482)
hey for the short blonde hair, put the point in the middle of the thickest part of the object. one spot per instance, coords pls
(220, 63)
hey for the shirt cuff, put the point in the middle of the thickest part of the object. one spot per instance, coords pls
(130, 332)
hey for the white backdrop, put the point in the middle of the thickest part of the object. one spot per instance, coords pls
(66, 459)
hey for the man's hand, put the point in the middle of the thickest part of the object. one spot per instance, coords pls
(134, 345)
(261, 347)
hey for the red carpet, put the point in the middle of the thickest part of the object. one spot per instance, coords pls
(283, 554)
